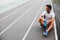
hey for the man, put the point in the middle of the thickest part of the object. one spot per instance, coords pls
(47, 19)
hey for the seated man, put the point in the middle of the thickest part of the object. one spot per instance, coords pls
(47, 18)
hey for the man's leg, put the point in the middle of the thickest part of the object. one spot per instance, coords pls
(41, 21)
(51, 25)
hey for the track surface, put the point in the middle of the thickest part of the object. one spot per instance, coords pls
(14, 24)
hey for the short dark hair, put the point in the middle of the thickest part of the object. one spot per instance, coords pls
(49, 6)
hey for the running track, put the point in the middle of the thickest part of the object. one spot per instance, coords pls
(21, 23)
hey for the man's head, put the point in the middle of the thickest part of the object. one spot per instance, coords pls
(48, 8)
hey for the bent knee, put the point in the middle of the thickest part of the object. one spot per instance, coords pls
(39, 20)
(52, 23)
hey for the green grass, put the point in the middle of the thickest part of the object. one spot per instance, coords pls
(56, 1)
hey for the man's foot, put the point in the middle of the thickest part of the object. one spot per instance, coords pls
(45, 33)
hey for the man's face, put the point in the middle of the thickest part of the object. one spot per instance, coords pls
(47, 9)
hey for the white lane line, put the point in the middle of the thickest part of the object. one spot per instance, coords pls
(17, 19)
(56, 37)
(17, 5)
(33, 22)
(10, 14)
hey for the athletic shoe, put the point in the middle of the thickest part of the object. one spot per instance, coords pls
(45, 33)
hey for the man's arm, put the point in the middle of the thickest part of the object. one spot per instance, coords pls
(51, 20)
(41, 17)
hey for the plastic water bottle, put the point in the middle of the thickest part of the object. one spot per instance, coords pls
(45, 21)
(45, 24)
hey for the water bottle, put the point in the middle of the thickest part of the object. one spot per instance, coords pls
(45, 22)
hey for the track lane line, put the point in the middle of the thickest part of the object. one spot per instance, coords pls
(33, 22)
(55, 30)
(17, 5)
(16, 20)
(11, 13)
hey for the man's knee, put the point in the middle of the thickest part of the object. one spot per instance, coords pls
(52, 24)
(39, 20)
